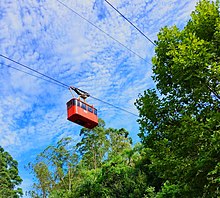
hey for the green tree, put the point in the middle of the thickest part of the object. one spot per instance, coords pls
(180, 121)
(116, 175)
(118, 141)
(94, 145)
(102, 164)
(9, 178)
(43, 175)
(55, 169)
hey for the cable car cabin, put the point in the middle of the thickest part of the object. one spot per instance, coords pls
(82, 113)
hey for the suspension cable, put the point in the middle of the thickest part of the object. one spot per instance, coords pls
(56, 82)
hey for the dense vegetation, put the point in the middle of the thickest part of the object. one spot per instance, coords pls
(179, 153)
(9, 178)
(180, 128)
(101, 164)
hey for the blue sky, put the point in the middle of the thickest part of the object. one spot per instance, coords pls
(53, 40)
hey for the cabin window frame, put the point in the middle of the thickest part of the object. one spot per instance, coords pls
(83, 106)
(74, 102)
(69, 104)
(90, 109)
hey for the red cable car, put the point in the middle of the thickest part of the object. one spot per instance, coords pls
(80, 112)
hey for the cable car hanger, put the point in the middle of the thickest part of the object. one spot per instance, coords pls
(82, 94)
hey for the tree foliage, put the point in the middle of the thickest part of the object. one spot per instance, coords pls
(78, 170)
(9, 178)
(55, 168)
(180, 121)
(94, 145)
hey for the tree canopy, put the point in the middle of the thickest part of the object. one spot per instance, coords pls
(71, 169)
(180, 120)
(9, 178)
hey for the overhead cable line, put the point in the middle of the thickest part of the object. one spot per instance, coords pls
(27, 67)
(82, 17)
(114, 106)
(20, 70)
(54, 81)
(130, 22)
